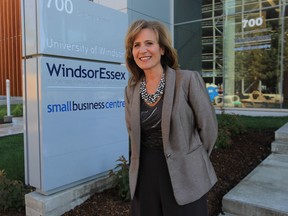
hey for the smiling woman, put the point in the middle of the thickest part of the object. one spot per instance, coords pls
(147, 52)
(172, 126)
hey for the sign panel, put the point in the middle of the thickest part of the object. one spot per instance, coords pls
(74, 106)
(83, 130)
(75, 28)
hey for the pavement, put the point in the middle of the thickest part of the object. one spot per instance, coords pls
(16, 127)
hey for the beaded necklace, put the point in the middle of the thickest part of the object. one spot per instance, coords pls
(152, 98)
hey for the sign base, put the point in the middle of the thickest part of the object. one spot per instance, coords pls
(7, 119)
(63, 201)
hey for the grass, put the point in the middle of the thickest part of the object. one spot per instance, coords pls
(263, 122)
(12, 156)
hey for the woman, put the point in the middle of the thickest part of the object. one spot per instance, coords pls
(172, 127)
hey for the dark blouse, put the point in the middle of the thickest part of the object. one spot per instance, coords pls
(151, 135)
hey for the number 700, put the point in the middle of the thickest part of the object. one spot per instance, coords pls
(62, 5)
(252, 22)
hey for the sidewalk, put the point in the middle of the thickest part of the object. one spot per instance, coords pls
(16, 127)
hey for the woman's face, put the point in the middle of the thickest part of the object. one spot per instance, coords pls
(146, 51)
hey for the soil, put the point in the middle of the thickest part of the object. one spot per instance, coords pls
(231, 166)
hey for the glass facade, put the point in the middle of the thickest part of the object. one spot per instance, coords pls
(243, 44)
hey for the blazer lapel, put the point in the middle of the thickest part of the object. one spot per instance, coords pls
(167, 105)
(135, 115)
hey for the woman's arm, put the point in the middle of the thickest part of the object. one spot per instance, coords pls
(206, 121)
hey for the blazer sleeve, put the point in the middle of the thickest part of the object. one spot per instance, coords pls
(206, 121)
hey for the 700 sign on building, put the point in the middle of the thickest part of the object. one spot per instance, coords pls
(252, 22)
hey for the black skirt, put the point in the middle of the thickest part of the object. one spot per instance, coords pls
(154, 195)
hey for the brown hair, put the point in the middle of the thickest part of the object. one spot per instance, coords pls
(163, 38)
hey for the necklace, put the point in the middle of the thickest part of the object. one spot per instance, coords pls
(152, 98)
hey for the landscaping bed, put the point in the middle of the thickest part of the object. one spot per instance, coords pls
(231, 165)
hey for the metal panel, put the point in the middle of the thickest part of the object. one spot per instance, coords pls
(32, 145)
(10, 47)
(78, 113)
(29, 9)
(80, 29)
(150, 9)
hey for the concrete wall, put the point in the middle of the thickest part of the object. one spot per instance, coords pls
(161, 10)
(188, 33)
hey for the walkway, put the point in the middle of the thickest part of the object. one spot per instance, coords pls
(16, 127)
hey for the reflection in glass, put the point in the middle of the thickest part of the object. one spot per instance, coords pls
(244, 51)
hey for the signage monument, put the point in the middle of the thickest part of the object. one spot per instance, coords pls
(74, 81)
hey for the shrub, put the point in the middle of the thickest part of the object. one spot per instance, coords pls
(12, 193)
(224, 139)
(121, 179)
(2, 114)
(17, 110)
(229, 125)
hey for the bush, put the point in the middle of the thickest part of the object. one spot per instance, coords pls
(224, 139)
(229, 125)
(12, 193)
(2, 114)
(17, 110)
(121, 179)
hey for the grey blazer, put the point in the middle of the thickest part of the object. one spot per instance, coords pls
(189, 131)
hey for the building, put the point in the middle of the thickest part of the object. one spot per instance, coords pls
(10, 46)
(239, 46)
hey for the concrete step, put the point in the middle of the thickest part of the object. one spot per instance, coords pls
(279, 147)
(282, 134)
(226, 214)
(263, 192)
